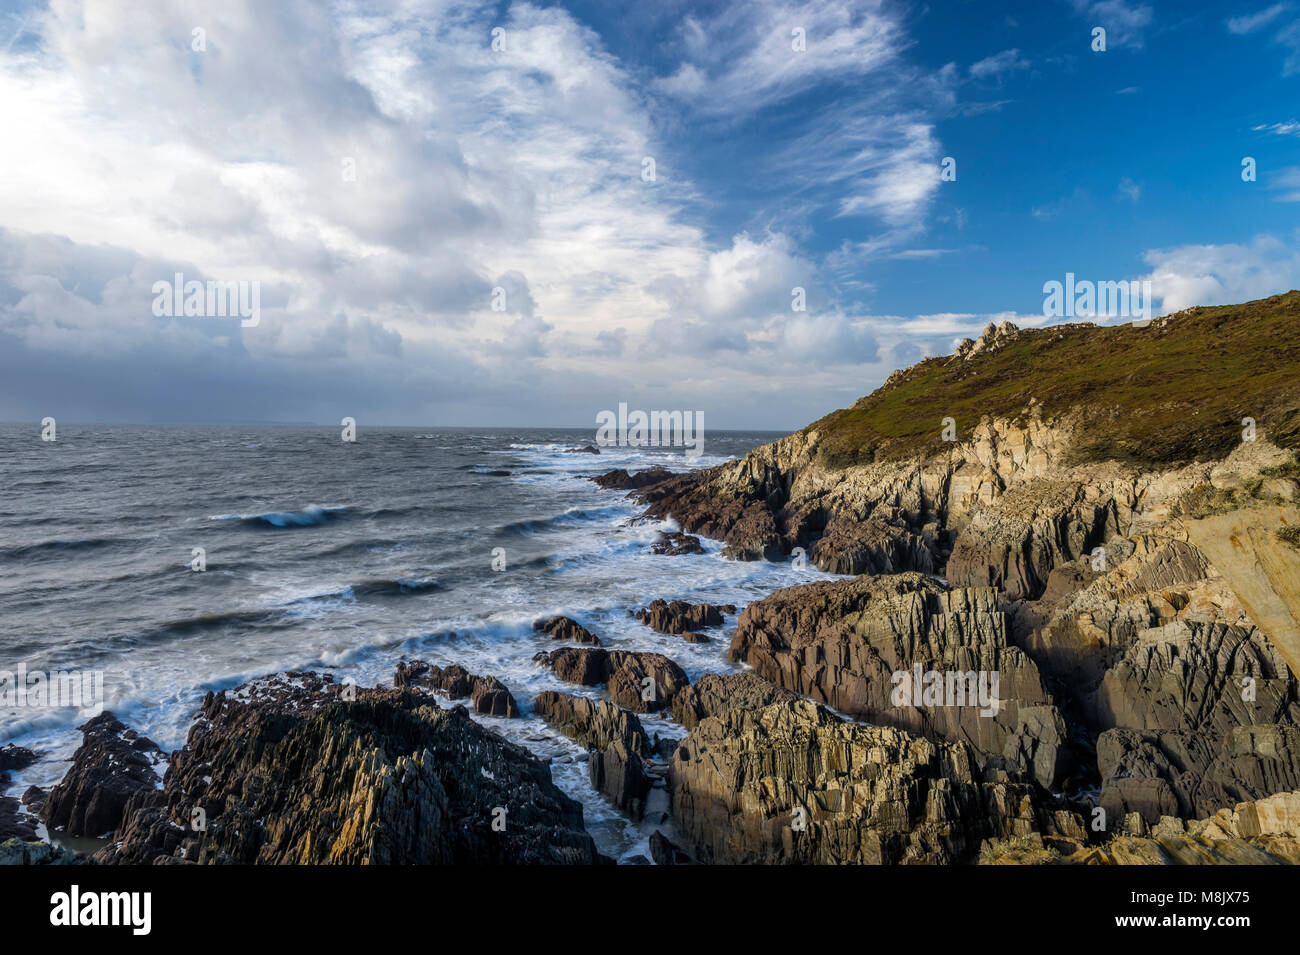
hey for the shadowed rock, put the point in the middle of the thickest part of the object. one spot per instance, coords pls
(642, 682)
(112, 764)
(566, 628)
(679, 616)
(284, 771)
(488, 694)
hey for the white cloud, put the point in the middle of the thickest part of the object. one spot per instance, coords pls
(994, 67)
(1222, 274)
(1249, 23)
(1125, 22)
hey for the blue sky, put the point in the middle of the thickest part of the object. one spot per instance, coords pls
(133, 155)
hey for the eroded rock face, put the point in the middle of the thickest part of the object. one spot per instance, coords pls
(845, 643)
(674, 543)
(642, 682)
(488, 694)
(621, 480)
(679, 616)
(791, 783)
(616, 739)
(112, 764)
(593, 723)
(286, 772)
(1262, 832)
(566, 628)
(1194, 775)
(715, 693)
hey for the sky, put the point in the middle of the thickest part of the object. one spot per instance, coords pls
(522, 214)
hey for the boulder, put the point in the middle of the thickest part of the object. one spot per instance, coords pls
(287, 771)
(488, 694)
(566, 628)
(112, 764)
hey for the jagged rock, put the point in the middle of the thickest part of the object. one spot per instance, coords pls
(621, 480)
(112, 764)
(1190, 675)
(852, 546)
(642, 682)
(15, 757)
(589, 449)
(288, 772)
(679, 616)
(715, 693)
(1015, 540)
(674, 543)
(26, 852)
(617, 741)
(851, 644)
(694, 636)
(566, 628)
(1263, 832)
(620, 774)
(1192, 774)
(593, 723)
(13, 824)
(791, 783)
(488, 694)
(664, 852)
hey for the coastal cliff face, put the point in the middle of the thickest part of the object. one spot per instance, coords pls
(1066, 635)
(1113, 545)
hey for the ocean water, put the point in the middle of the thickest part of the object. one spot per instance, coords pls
(339, 557)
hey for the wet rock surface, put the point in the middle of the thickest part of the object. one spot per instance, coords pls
(642, 682)
(286, 771)
(678, 616)
(113, 764)
(488, 695)
(566, 628)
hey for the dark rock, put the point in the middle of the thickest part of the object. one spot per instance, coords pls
(15, 757)
(620, 774)
(694, 636)
(285, 772)
(674, 543)
(589, 449)
(593, 723)
(488, 694)
(642, 682)
(664, 852)
(679, 616)
(112, 764)
(566, 628)
(621, 480)
(715, 693)
(27, 852)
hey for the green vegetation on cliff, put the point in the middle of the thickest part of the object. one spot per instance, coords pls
(1168, 393)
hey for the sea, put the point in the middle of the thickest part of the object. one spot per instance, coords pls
(178, 560)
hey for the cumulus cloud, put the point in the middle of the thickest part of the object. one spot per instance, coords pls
(1222, 274)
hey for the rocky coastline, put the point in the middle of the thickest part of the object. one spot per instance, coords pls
(1126, 679)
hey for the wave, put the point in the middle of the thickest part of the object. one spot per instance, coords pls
(573, 517)
(314, 516)
(37, 549)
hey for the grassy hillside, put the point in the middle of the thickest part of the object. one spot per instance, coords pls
(1170, 393)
